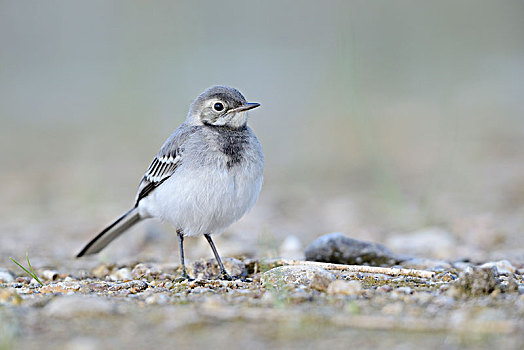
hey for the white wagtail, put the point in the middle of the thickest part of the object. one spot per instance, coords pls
(205, 177)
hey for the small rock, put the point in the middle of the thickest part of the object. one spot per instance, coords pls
(298, 275)
(340, 287)
(478, 281)
(145, 270)
(6, 276)
(61, 287)
(50, 275)
(101, 271)
(503, 266)
(291, 248)
(24, 280)
(340, 249)
(521, 289)
(433, 242)
(73, 306)
(123, 274)
(448, 277)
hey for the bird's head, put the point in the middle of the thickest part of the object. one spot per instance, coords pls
(220, 106)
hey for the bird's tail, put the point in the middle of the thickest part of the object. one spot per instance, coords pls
(111, 232)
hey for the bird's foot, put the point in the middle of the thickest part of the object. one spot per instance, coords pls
(225, 276)
(184, 277)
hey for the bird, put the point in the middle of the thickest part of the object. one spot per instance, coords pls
(205, 177)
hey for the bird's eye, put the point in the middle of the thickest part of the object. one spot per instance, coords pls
(219, 106)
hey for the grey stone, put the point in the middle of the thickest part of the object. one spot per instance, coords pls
(339, 249)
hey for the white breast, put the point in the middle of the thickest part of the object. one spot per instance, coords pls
(201, 200)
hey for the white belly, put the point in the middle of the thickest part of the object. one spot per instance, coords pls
(200, 201)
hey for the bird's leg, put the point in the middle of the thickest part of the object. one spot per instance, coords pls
(223, 273)
(181, 244)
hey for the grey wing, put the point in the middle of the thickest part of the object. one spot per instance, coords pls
(165, 163)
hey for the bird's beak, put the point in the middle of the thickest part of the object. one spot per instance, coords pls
(245, 107)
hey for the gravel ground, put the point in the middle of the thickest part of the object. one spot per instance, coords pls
(271, 304)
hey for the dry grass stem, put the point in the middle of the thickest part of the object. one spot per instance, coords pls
(392, 271)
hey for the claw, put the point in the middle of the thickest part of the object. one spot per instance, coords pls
(184, 277)
(225, 276)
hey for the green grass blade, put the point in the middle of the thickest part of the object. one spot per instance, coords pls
(23, 268)
(33, 271)
(30, 273)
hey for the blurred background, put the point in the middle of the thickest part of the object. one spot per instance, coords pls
(383, 120)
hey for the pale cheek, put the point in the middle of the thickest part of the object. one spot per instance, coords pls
(239, 119)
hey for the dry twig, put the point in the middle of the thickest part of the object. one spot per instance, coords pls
(392, 271)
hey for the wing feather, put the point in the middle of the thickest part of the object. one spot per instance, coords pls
(165, 163)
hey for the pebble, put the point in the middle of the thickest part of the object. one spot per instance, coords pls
(24, 280)
(123, 274)
(141, 270)
(101, 271)
(503, 266)
(50, 275)
(476, 281)
(448, 277)
(61, 287)
(298, 275)
(340, 287)
(73, 306)
(339, 249)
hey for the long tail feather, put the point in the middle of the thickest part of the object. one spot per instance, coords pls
(111, 232)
